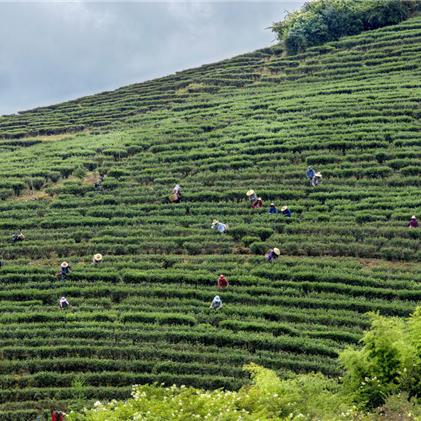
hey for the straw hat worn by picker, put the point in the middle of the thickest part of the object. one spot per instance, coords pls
(317, 179)
(273, 254)
(97, 259)
(285, 210)
(251, 194)
(64, 270)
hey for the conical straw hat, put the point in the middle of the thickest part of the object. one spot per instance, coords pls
(250, 193)
(64, 265)
(98, 257)
(284, 208)
(318, 174)
(413, 217)
(277, 251)
(215, 221)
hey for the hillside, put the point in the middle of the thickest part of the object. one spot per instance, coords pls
(349, 108)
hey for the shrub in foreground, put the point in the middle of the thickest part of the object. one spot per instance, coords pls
(383, 376)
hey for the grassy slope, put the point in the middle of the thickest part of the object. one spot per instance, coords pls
(350, 108)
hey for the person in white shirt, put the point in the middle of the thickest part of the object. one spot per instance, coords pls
(216, 303)
(219, 226)
(63, 303)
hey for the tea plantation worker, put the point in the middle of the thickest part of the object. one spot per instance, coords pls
(97, 259)
(57, 416)
(216, 303)
(310, 173)
(317, 179)
(98, 184)
(273, 254)
(286, 211)
(413, 223)
(63, 303)
(222, 282)
(64, 270)
(272, 209)
(18, 236)
(219, 226)
(258, 204)
(251, 194)
(176, 194)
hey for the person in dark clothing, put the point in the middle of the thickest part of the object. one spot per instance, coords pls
(286, 211)
(18, 236)
(273, 254)
(63, 303)
(272, 209)
(98, 184)
(413, 223)
(64, 270)
(310, 173)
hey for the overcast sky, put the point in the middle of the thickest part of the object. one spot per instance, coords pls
(55, 51)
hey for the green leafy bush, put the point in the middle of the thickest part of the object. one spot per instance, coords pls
(389, 362)
(320, 21)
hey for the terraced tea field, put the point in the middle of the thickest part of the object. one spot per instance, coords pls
(351, 109)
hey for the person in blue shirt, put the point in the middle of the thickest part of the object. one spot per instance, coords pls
(310, 173)
(272, 208)
(286, 211)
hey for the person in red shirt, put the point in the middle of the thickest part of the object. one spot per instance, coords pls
(222, 282)
(57, 416)
(258, 204)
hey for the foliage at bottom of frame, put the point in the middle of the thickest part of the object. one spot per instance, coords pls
(382, 381)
